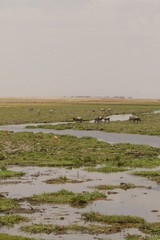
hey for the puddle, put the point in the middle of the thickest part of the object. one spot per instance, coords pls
(120, 117)
(157, 111)
(117, 117)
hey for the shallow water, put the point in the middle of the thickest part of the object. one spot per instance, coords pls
(120, 117)
(139, 201)
(157, 111)
(117, 117)
(103, 136)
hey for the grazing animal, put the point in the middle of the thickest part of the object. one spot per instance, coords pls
(30, 109)
(106, 119)
(135, 119)
(98, 119)
(77, 119)
(50, 111)
(109, 110)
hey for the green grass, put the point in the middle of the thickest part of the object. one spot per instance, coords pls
(152, 175)
(137, 237)
(67, 197)
(4, 236)
(125, 222)
(64, 110)
(60, 229)
(148, 126)
(10, 174)
(124, 186)
(62, 180)
(151, 228)
(28, 149)
(7, 204)
(106, 169)
(10, 220)
(112, 219)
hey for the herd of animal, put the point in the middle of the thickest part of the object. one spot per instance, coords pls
(134, 119)
(98, 119)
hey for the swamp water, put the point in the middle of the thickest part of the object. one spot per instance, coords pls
(142, 202)
(138, 201)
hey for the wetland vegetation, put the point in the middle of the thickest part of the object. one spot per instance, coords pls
(67, 197)
(28, 149)
(39, 149)
(4, 236)
(63, 110)
(152, 175)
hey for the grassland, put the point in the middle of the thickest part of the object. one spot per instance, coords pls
(28, 149)
(148, 126)
(26, 111)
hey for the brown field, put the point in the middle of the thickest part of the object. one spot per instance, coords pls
(75, 100)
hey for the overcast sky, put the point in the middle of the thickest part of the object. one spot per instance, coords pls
(80, 47)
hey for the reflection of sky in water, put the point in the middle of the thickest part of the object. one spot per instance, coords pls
(157, 111)
(120, 117)
(137, 202)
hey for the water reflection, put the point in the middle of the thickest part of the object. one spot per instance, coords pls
(137, 202)
(157, 111)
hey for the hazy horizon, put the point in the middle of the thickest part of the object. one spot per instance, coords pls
(80, 48)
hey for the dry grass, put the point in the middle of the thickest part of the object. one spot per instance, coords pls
(75, 100)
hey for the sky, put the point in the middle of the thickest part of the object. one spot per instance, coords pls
(80, 48)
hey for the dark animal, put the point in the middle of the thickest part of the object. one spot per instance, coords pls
(30, 109)
(98, 119)
(106, 119)
(77, 119)
(134, 119)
